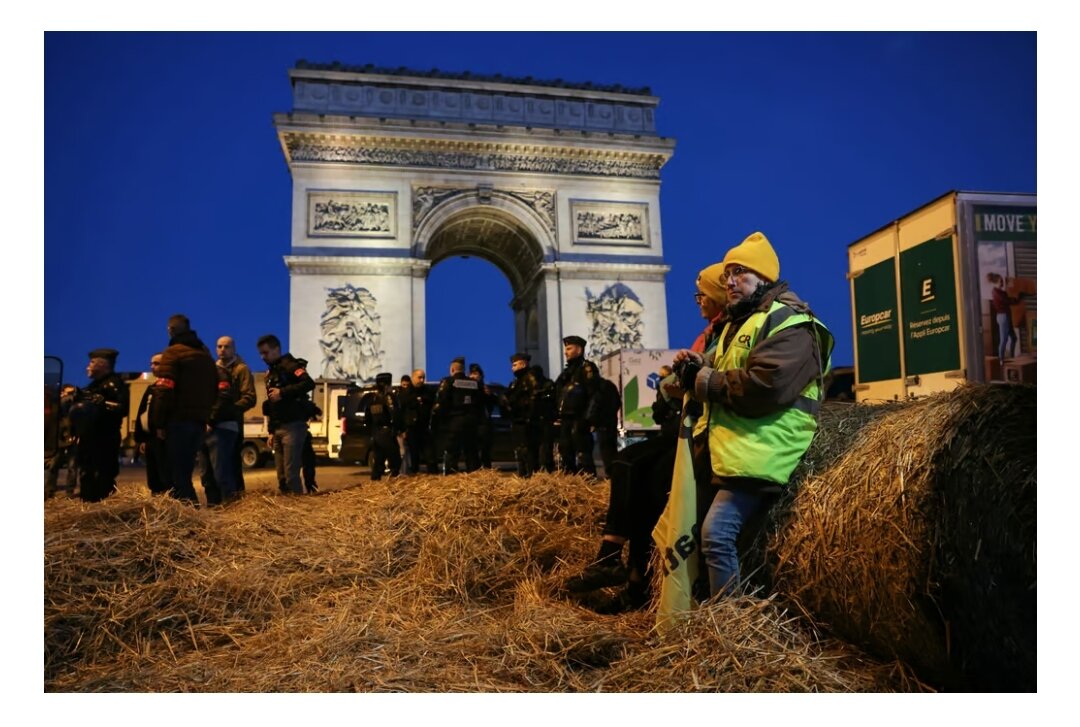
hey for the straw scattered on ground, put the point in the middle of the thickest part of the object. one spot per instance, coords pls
(419, 584)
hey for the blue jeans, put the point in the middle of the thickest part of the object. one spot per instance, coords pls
(221, 447)
(182, 442)
(1006, 334)
(728, 513)
(288, 454)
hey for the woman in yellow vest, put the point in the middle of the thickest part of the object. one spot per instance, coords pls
(762, 389)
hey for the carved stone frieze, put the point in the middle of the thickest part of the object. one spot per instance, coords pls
(314, 150)
(425, 199)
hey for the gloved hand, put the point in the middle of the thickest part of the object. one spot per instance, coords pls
(687, 369)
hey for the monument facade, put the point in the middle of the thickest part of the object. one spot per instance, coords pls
(556, 184)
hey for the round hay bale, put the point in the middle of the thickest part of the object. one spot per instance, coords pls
(913, 535)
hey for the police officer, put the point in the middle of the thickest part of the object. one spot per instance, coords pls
(519, 403)
(576, 392)
(457, 415)
(383, 418)
(95, 416)
(288, 407)
(544, 416)
(416, 404)
(485, 432)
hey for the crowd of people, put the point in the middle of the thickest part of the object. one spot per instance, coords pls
(449, 430)
(192, 416)
(746, 394)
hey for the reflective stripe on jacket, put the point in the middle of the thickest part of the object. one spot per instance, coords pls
(768, 447)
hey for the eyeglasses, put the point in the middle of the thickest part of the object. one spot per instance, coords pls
(736, 272)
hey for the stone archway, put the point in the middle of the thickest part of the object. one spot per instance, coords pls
(556, 184)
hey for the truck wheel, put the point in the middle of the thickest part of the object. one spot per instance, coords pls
(249, 456)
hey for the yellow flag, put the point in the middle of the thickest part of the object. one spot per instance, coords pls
(676, 536)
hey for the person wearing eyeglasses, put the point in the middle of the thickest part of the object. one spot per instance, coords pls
(762, 390)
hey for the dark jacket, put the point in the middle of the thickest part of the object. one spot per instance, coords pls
(290, 376)
(187, 383)
(100, 407)
(576, 387)
(458, 396)
(519, 401)
(141, 435)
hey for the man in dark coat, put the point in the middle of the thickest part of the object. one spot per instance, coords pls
(576, 389)
(96, 414)
(519, 403)
(383, 419)
(288, 406)
(456, 415)
(187, 389)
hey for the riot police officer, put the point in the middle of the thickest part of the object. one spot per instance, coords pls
(383, 418)
(95, 416)
(456, 415)
(576, 391)
(485, 431)
(519, 403)
(544, 416)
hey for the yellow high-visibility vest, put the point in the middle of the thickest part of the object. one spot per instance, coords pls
(767, 447)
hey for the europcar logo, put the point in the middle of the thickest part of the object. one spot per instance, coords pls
(876, 319)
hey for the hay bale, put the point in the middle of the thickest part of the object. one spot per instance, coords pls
(913, 535)
(424, 584)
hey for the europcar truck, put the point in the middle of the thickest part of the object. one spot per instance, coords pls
(921, 290)
(634, 371)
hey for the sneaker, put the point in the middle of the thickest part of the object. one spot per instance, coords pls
(599, 574)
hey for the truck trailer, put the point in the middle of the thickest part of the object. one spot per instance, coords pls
(922, 288)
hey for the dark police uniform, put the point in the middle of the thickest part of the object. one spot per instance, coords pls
(457, 416)
(290, 376)
(485, 430)
(544, 410)
(96, 416)
(576, 389)
(519, 403)
(383, 419)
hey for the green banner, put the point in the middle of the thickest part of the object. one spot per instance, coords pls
(928, 292)
(1013, 224)
(877, 328)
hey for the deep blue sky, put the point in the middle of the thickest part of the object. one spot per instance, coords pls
(166, 189)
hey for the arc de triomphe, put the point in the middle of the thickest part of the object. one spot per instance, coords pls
(558, 185)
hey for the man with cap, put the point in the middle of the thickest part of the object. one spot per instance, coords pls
(383, 419)
(485, 432)
(576, 392)
(457, 415)
(761, 390)
(519, 403)
(95, 415)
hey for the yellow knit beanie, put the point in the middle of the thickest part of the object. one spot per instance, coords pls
(709, 283)
(755, 253)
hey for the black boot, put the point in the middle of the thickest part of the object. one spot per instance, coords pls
(606, 570)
